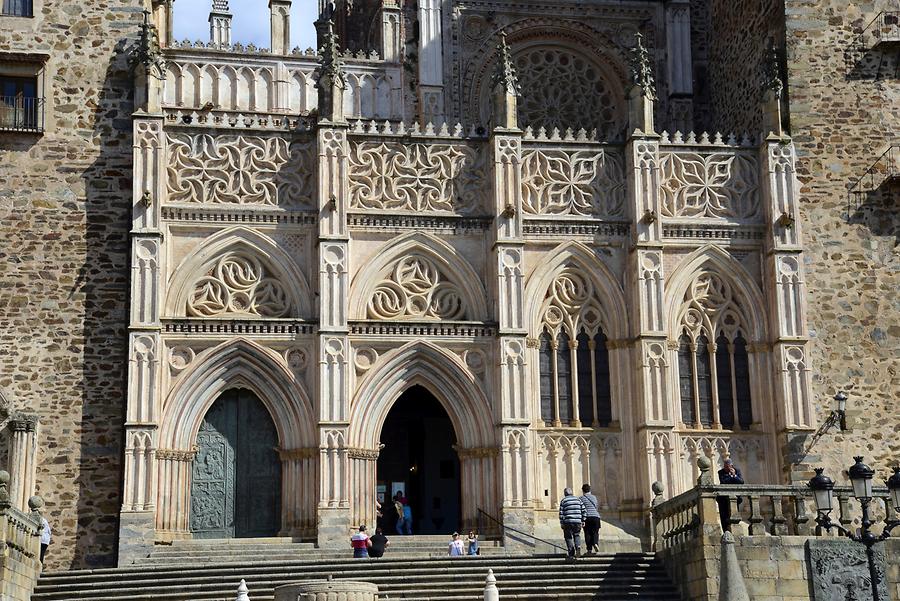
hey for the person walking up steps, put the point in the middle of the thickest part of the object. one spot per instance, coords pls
(591, 520)
(571, 520)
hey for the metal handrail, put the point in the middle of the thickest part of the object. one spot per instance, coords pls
(516, 530)
(885, 20)
(888, 165)
(21, 113)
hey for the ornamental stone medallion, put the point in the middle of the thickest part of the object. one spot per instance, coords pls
(839, 570)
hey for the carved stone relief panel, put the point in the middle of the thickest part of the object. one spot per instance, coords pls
(242, 170)
(417, 177)
(416, 288)
(238, 285)
(716, 184)
(560, 181)
(839, 570)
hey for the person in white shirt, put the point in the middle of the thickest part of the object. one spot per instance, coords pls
(456, 546)
(45, 537)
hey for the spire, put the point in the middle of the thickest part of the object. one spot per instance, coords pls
(642, 68)
(505, 73)
(330, 77)
(774, 88)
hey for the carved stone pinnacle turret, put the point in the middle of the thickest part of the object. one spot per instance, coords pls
(330, 76)
(642, 68)
(146, 50)
(505, 73)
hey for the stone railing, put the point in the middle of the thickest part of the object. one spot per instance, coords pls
(263, 83)
(780, 510)
(19, 546)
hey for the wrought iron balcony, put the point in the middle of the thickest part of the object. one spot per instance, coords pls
(883, 29)
(21, 113)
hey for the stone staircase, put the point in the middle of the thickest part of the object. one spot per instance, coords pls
(411, 571)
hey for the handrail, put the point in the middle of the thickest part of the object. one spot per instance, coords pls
(883, 17)
(516, 530)
(891, 168)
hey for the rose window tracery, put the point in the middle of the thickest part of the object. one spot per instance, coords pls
(562, 89)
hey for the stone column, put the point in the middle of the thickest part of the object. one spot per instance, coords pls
(162, 20)
(23, 428)
(680, 65)
(280, 26)
(651, 413)
(334, 512)
(137, 517)
(785, 287)
(173, 473)
(391, 40)
(299, 491)
(431, 62)
(515, 413)
(220, 24)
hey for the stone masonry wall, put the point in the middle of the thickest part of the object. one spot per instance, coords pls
(844, 114)
(64, 221)
(740, 34)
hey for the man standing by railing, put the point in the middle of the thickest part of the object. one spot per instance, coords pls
(571, 520)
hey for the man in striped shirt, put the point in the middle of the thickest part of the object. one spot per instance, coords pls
(592, 519)
(571, 520)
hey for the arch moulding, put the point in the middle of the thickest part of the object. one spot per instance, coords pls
(239, 363)
(453, 266)
(443, 374)
(252, 243)
(611, 298)
(716, 260)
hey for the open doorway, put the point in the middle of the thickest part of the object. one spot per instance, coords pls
(418, 459)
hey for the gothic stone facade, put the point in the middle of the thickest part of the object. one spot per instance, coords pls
(589, 297)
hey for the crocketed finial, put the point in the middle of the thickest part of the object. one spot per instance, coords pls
(145, 51)
(505, 74)
(331, 63)
(642, 68)
(772, 68)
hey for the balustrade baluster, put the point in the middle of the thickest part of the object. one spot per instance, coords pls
(755, 516)
(736, 522)
(802, 521)
(779, 522)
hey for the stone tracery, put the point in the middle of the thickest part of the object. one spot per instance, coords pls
(416, 177)
(572, 182)
(416, 289)
(709, 185)
(238, 285)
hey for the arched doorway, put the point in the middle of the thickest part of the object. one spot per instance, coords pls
(418, 458)
(236, 477)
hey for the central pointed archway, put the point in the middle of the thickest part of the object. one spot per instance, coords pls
(419, 460)
(443, 375)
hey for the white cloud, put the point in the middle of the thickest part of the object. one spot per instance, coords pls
(250, 23)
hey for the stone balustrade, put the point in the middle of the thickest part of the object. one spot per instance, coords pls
(265, 83)
(779, 510)
(19, 546)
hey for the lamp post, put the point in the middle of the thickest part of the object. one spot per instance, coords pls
(861, 476)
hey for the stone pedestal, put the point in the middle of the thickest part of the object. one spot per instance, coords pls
(136, 534)
(327, 590)
(333, 528)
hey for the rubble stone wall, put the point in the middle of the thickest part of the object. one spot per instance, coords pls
(64, 221)
(844, 113)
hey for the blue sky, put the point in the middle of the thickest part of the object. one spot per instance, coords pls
(250, 23)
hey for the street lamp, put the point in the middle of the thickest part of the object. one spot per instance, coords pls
(861, 476)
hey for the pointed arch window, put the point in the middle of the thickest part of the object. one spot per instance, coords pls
(573, 357)
(713, 364)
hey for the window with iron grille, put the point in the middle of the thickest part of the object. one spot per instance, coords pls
(17, 8)
(21, 107)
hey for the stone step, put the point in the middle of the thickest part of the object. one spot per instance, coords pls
(630, 561)
(608, 577)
